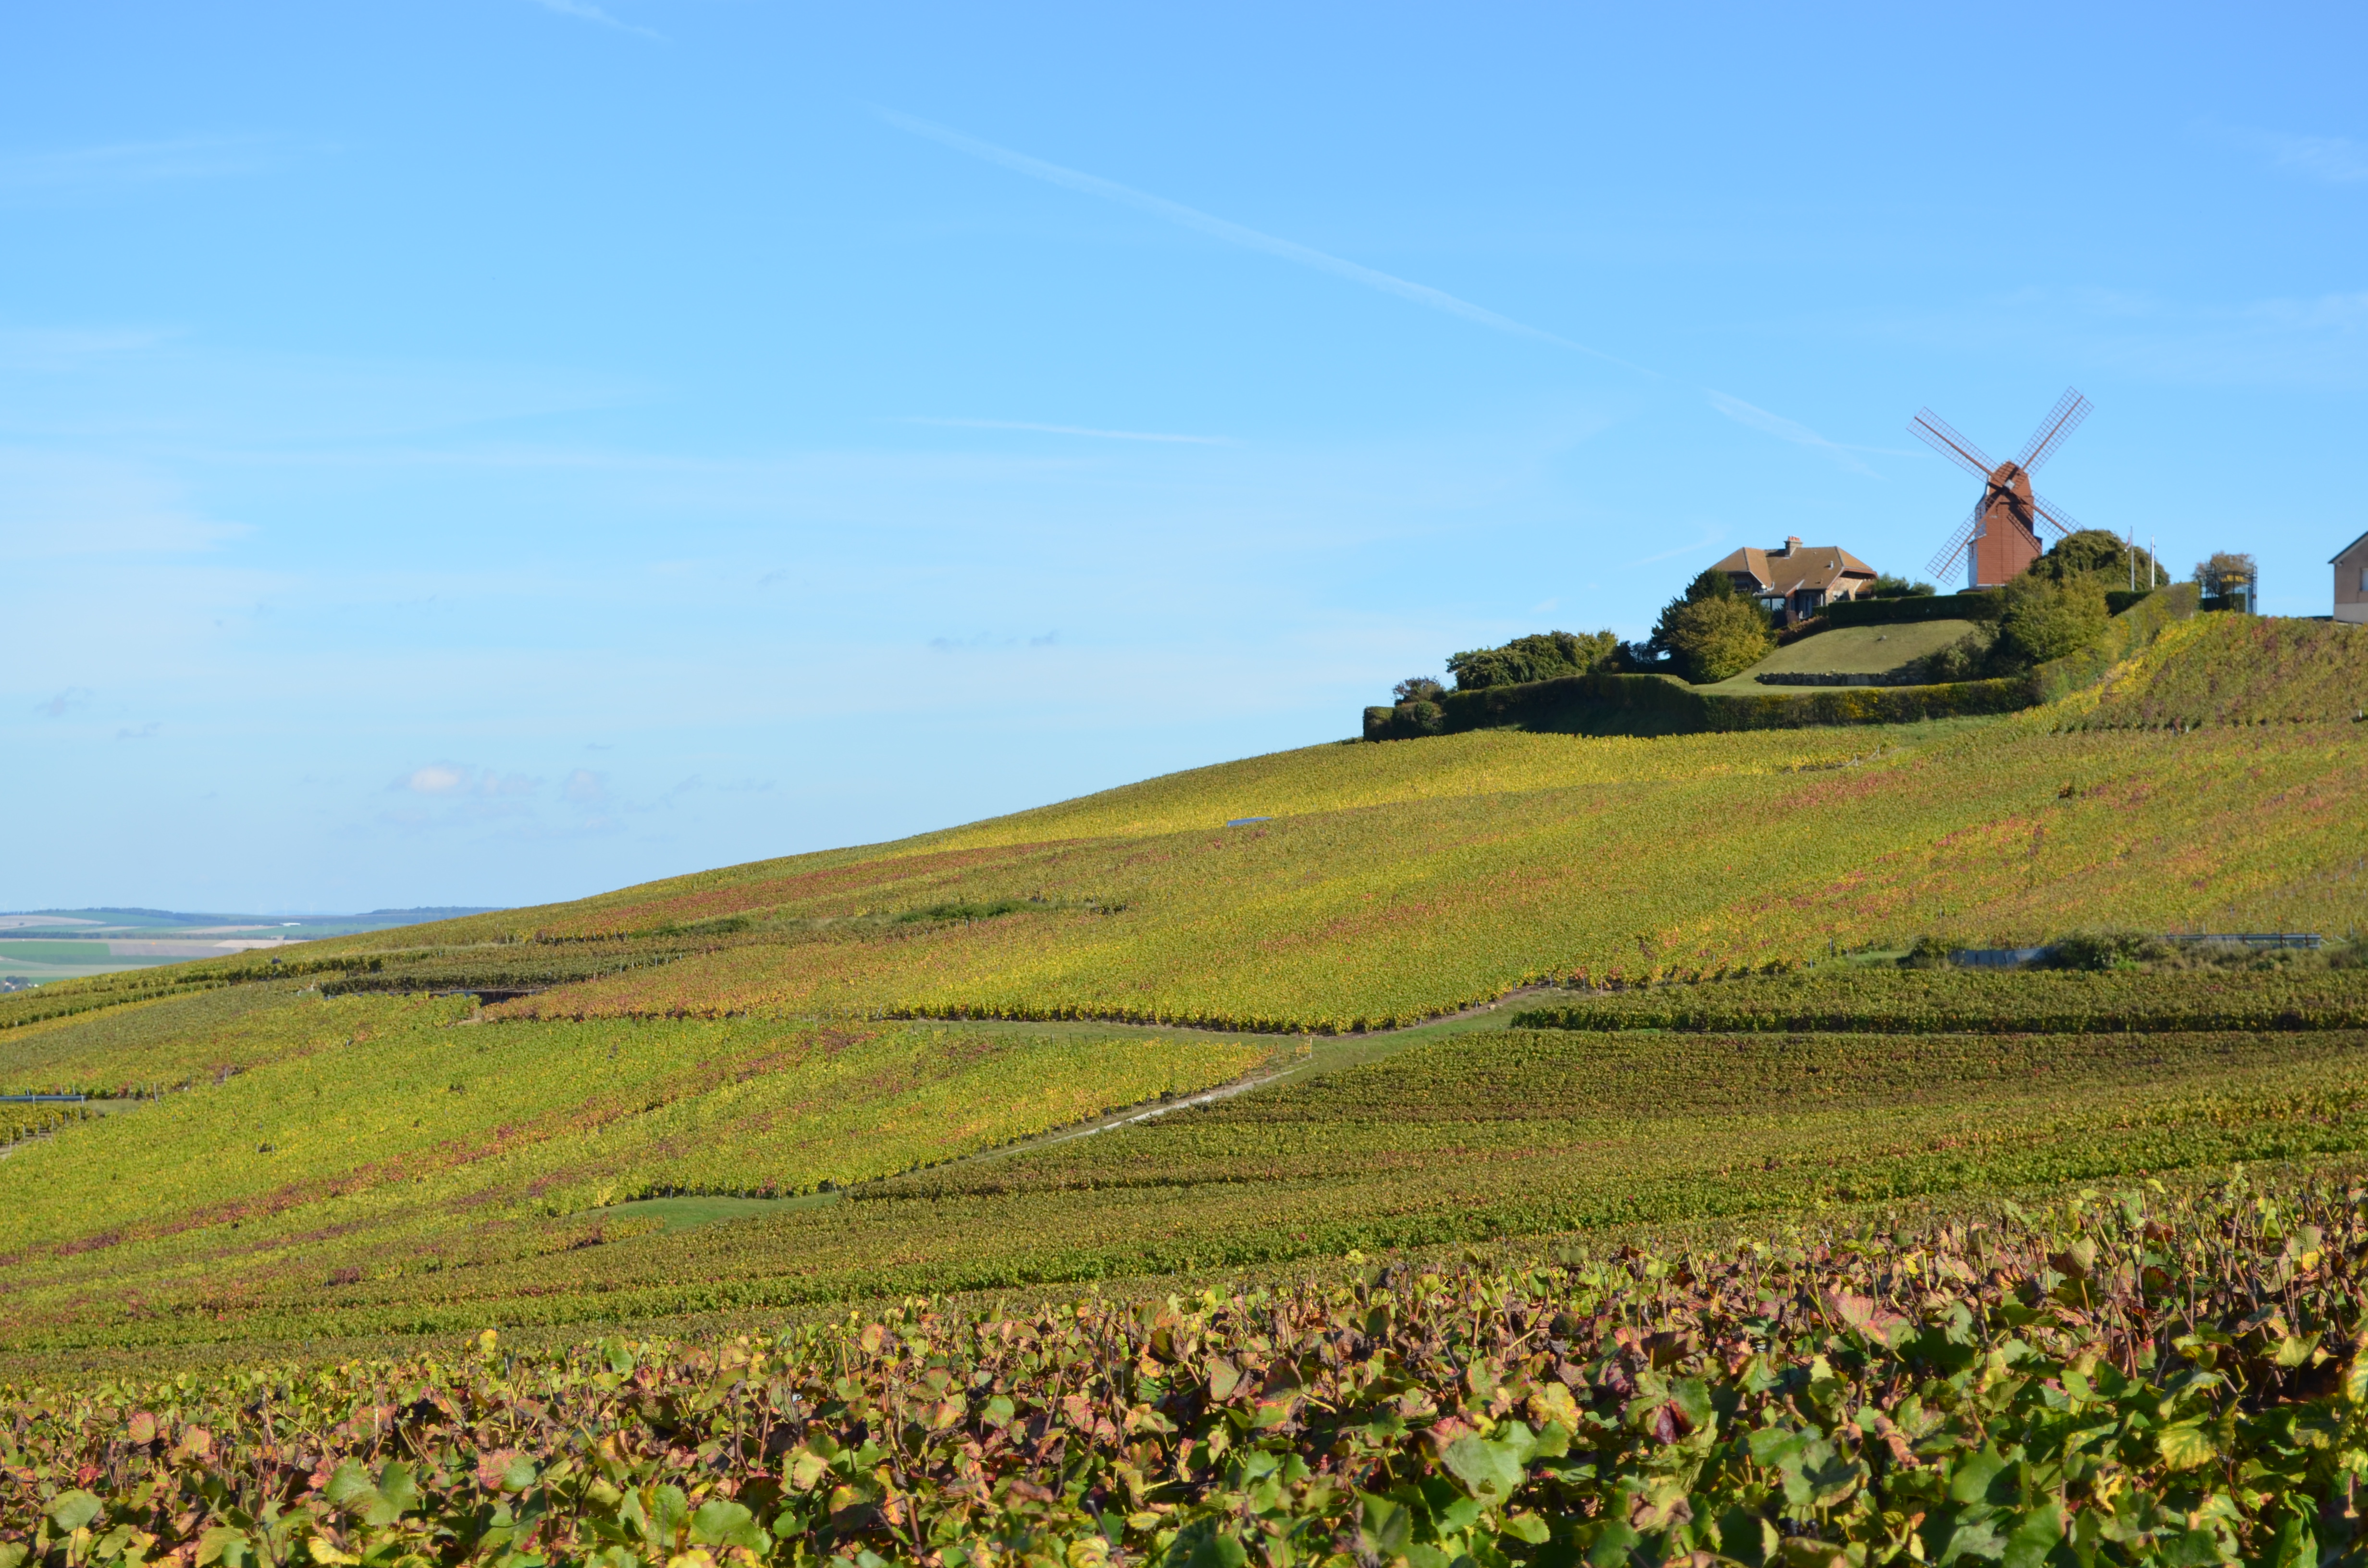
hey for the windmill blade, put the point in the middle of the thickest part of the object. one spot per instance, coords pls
(1941, 565)
(2057, 518)
(2061, 421)
(1941, 437)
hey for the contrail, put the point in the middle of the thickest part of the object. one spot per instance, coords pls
(1784, 429)
(1072, 430)
(1235, 233)
(1175, 213)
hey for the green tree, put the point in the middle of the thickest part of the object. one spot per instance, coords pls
(2223, 570)
(1887, 586)
(2094, 552)
(1544, 655)
(2045, 619)
(1712, 630)
(1715, 639)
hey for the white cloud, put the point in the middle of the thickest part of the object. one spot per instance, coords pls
(454, 780)
(437, 780)
(984, 641)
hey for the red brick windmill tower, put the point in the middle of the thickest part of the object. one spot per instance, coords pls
(2000, 540)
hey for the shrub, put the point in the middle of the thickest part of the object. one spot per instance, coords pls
(1419, 689)
(1968, 658)
(1544, 655)
(1930, 952)
(1887, 586)
(2047, 618)
(1717, 638)
(1424, 718)
(2106, 950)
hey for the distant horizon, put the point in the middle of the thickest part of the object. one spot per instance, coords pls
(66, 912)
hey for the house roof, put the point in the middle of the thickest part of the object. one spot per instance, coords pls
(2347, 549)
(1790, 571)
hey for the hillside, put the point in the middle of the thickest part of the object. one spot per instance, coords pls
(2242, 669)
(844, 1053)
(1399, 880)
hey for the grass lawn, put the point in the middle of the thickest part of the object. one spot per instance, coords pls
(1851, 650)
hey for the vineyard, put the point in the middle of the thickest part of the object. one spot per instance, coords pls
(2233, 669)
(386, 1146)
(18, 1122)
(469, 1188)
(2124, 1380)
(1363, 918)
(1889, 1000)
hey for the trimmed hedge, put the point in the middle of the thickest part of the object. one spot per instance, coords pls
(1986, 605)
(1664, 705)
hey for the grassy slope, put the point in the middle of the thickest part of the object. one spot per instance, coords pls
(1851, 650)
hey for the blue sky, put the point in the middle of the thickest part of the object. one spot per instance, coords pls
(482, 452)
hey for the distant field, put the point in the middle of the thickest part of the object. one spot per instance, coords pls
(80, 953)
(1851, 650)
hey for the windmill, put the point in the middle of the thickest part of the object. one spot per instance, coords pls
(2000, 540)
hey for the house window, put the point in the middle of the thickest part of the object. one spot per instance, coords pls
(2363, 579)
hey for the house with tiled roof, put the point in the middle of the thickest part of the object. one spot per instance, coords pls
(1797, 581)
